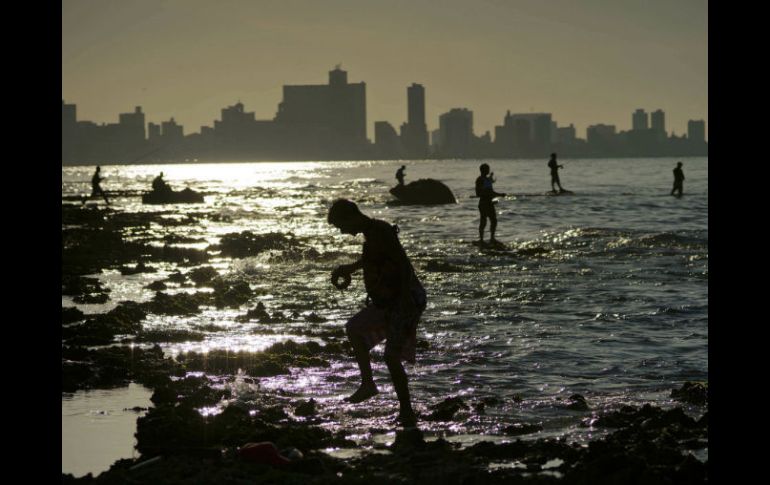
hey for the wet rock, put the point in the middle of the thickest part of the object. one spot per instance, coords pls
(518, 429)
(203, 275)
(306, 408)
(157, 286)
(577, 402)
(139, 268)
(136, 409)
(274, 360)
(171, 335)
(424, 191)
(692, 392)
(244, 244)
(101, 329)
(74, 285)
(446, 409)
(258, 313)
(176, 277)
(314, 318)
(177, 304)
(407, 440)
(71, 314)
(192, 391)
(230, 294)
(93, 298)
(114, 366)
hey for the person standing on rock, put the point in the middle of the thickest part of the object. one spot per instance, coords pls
(400, 175)
(486, 195)
(395, 302)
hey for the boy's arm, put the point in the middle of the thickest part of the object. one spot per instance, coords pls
(353, 267)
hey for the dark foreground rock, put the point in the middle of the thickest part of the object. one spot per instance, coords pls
(177, 444)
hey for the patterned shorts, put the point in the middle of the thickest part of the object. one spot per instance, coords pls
(374, 324)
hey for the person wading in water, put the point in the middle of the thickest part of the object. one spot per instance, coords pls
(486, 194)
(395, 302)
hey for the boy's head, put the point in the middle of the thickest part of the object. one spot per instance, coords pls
(346, 216)
(484, 168)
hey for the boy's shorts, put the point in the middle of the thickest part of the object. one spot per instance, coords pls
(374, 324)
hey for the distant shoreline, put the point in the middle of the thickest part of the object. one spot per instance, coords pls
(202, 162)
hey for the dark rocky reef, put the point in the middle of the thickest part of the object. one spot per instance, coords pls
(246, 243)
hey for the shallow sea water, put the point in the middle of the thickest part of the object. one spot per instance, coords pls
(603, 293)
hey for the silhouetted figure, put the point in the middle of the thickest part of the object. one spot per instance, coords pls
(400, 175)
(395, 301)
(160, 185)
(555, 173)
(678, 179)
(486, 195)
(96, 188)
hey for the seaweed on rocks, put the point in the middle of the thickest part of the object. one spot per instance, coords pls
(517, 429)
(156, 286)
(101, 329)
(692, 392)
(230, 294)
(93, 298)
(171, 335)
(446, 409)
(114, 366)
(176, 304)
(257, 313)
(306, 408)
(577, 402)
(74, 285)
(274, 360)
(71, 314)
(139, 268)
(246, 243)
(203, 275)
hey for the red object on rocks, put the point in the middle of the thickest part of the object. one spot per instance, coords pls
(265, 452)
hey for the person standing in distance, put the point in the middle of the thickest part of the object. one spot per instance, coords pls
(486, 194)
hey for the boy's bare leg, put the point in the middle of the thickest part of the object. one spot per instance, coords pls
(368, 388)
(401, 384)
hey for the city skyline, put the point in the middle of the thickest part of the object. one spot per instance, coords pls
(328, 121)
(586, 64)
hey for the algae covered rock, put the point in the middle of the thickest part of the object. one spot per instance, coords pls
(692, 392)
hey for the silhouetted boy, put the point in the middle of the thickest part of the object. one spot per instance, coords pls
(395, 301)
(678, 179)
(555, 173)
(96, 189)
(486, 194)
(400, 175)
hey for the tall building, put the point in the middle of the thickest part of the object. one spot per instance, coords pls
(171, 131)
(527, 134)
(132, 124)
(639, 120)
(456, 132)
(69, 115)
(600, 134)
(414, 133)
(153, 132)
(386, 139)
(566, 134)
(336, 110)
(658, 121)
(696, 130)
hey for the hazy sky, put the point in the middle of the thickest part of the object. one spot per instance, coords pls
(584, 61)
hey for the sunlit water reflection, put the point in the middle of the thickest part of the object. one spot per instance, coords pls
(603, 293)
